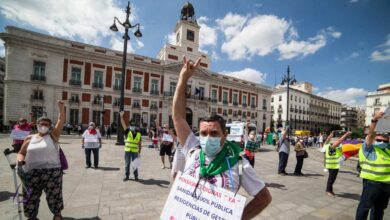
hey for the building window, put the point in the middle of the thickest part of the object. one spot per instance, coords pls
(177, 37)
(74, 98)
(272, 99)
(295, 98)
(201, 92)
(136, 104)
(190, 35)
(235, 97)
(214, 95)
(97, 79)
(118, 81)
(39, 71)
(280, 98)
(37, 95)
(299, 99)
(291, 97)
(172, 88)
(73, 116)
(154, 86)
(137, 84)
(264, 104)
(253, 102)
(96, 117)
(115, 117)
(225, 97)
(76, 76)
(244, 100)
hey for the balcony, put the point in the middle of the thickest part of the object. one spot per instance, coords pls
(253, 106)
(154, 107)
(244, 105)
(116, 103)
(265, 108)
(74, 100)
(96, 102)
(377, 104)
(154, 92)
(170, 93)
(280, 110)
(136, 105)
(235, 103)
(37, 97)
(97, 85)
(300, 111)
(117, 87)
(225, 102)
(235, 115)
(35, 77)
(214, 100)
(225, 114)
(75, 82)
(137, 90)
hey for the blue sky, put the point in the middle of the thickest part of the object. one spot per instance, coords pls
(341, 46)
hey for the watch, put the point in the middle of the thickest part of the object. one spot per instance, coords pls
(374, 121)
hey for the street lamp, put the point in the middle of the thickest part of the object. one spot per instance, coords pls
(127, 25)
(99, 97)
(288, 81)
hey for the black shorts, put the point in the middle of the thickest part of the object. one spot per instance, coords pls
(165, 150)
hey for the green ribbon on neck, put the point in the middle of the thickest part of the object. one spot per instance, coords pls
(219, 164)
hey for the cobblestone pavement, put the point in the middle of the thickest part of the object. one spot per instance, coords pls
(101, 193)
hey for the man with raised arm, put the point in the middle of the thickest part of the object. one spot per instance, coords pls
(213, 158)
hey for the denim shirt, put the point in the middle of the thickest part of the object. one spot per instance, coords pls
(369, 153)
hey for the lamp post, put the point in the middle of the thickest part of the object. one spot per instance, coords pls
(289, 81)
(99, 97)
(137, 33)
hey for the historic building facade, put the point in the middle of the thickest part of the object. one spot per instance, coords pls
(378, 100)
(41, 69)
(307, 111)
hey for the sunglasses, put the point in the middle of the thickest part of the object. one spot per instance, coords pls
(44, 124)
(384, 141)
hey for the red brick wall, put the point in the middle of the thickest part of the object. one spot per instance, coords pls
(106, 118)
(87, 75)
(65, 72)
(86, 97)
(128, 80)
(85, 116)
(109, 76)
(127, 101)
(146, 82)
(145, 103)
(64, 95)
(162, 85)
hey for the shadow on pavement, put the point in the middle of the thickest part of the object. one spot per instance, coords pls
(109, 168)
(349, 172)
(5, 195)
(349, 196)
(265, 150)
(276, 185)
(159, 183)
(312, 174)
(92, 218)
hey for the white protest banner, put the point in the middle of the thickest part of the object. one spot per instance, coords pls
(19, 134)
(210, 202)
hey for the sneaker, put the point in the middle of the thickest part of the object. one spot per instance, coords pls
(125, 179)
(325, 170)
(87, 167)
(163, 167)
(96, 167)
(136, 179)
(330, 194)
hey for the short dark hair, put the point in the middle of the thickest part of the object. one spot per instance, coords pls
(44, 118)
(215, 118)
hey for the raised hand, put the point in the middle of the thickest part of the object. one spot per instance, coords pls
(60, 104)
(378, 115)
(121, 113)
(188, 68)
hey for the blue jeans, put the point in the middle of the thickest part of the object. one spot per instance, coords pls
(95, 156)
(374, 198)
(130, 156)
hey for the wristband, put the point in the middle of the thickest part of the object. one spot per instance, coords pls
(374, 120)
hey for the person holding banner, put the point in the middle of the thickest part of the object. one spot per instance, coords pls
(374, 158)
(19, 133)
(212, 158)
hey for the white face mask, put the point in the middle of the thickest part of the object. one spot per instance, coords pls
(43, 129)
(252, 136)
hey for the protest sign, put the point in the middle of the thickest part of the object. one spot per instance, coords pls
(383, 125)
(210, 202)
(19, 134)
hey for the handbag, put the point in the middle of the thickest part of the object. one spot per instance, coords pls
(306, 155)
(63, 160)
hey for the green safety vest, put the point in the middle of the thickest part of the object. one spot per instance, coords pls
(376, 170)
(131, 144)
(332, 161)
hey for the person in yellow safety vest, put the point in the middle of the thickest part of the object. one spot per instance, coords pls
(374, 158)
(332, 162)
(132, 147)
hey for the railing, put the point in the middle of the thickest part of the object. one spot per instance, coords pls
(38, 77)
(377, 104)
(117, 87)
(214, 100)
(280, 110)
(225, 102)
(74, 100)
(97, 85)
(153, 107)
(74, 82)
(169, 93)
(136, 105)
(264, 107)
(253, 106)
(116, 104)
(244, 105)
(96, 102)
(154, 92)
(137, 90)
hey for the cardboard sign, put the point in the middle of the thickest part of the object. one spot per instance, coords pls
(383, 125)
(210, 202)
(19, 134)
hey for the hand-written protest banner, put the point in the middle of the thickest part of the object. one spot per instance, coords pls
(211, 202)
(19, 134)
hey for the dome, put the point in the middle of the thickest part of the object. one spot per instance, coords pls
(188, 12)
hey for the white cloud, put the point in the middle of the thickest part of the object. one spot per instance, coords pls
(248, 74)
(382, 54)
(117, 44)
(349, 96)
(315, 89)
(170, 38)
(258, 5)
(215, 56)
(87, 20)
(2, 49)
(207, 35)
(354, 1)
(354, 55)
(247, 36)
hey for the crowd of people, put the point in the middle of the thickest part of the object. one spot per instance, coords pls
(206, 156)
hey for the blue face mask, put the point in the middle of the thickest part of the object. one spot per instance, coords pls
(132, 128)
(210, 145)
(381, 144)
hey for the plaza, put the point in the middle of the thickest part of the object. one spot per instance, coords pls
(101, 193)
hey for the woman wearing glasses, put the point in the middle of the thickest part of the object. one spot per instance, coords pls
(39, 157)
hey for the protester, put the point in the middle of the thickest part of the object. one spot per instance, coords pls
(166, 145)
(332, 161)
(374, 157)
(321, 140)
(91, 142)
(19, 133)
(300, 151)
(284, 150)
(179, 161)
(155, 140)
(251, 145)
(208, 163)
(41, 163)
(79, 130)
(132, 147)
(107, 131)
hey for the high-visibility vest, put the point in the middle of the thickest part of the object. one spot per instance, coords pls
(131, 144)
(332, 161)
(378, 169)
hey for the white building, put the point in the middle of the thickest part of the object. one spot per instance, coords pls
(41, 69)
(378, 100)
(2, 74)
(306, 110)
